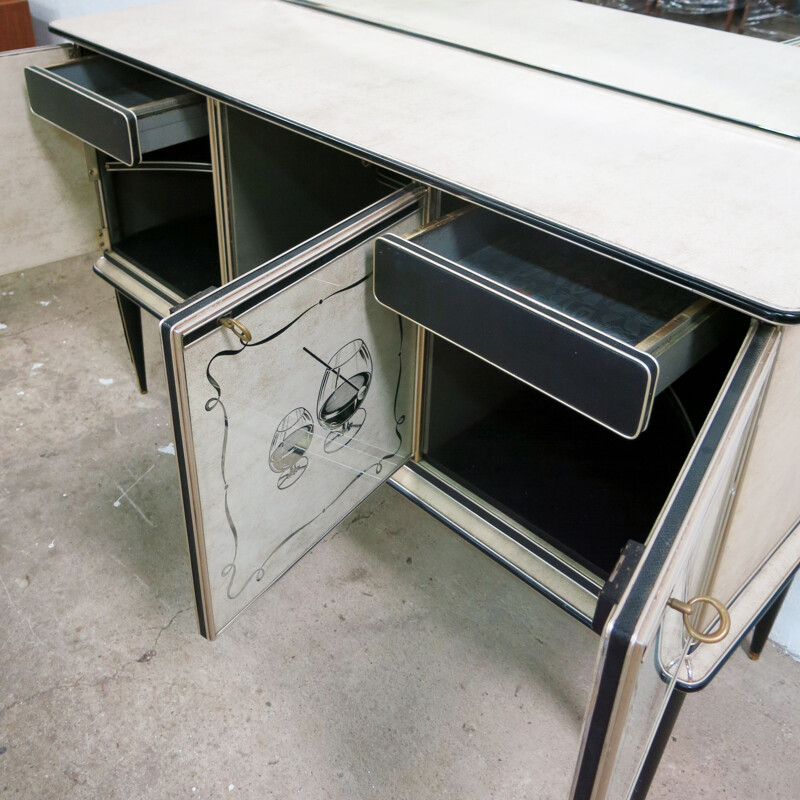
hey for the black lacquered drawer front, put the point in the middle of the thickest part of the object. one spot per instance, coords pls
(119, 110)
(592, 333)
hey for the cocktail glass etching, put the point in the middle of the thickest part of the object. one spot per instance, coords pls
(287, 453)
(342, 392)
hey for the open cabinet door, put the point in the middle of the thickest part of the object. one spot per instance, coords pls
(645, 649)
(286, 419)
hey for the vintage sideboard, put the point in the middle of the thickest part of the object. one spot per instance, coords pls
(545, 285)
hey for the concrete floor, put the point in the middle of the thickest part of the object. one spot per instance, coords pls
(393, 662)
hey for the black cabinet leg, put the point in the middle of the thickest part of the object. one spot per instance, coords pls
(660, 740)
(131, 316)
(762, 628)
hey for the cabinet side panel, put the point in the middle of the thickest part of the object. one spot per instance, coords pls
(768, 497)
(49, 209)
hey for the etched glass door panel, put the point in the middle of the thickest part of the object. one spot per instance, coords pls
(645, 648)
(292, 414)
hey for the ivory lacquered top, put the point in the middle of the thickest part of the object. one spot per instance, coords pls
(705, 202)
(740, 78)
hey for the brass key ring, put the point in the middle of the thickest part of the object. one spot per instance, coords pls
(240, 330)
(687, 608)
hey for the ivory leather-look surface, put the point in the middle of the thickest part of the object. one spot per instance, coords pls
(767, 496)
(712, 201)
(736, 77)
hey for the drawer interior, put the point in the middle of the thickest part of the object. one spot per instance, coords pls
(114, 81)
(566, 480)
(587, 286)
(283, 188)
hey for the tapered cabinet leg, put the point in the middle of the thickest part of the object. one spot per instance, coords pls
(762, 628)
(131, 316)
(761, 632)
(659, 744)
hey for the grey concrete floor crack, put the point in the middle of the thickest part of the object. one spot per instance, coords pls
(83, 684)
(172, 619)
(74, 315)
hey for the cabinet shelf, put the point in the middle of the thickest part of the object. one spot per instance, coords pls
(181, 254)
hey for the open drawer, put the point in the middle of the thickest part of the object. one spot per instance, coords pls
(121, 111)
(579, 326)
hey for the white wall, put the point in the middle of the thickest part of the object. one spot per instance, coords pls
(45, 11)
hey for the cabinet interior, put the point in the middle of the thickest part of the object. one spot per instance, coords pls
(112, 80)
(162, 217)
(564, 478)
(283, 188)
(280, 188)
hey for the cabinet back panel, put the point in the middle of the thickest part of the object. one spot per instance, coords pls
(284, 188)
(146, 200)
(567, 479)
